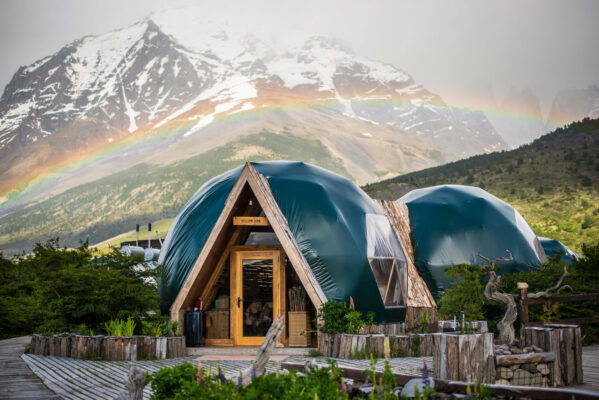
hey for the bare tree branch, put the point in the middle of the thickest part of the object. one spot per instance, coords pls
(557, 288)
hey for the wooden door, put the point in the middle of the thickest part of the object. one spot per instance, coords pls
(257, 294)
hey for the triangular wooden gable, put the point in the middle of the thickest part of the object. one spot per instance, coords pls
(261, 190)
(418, 293)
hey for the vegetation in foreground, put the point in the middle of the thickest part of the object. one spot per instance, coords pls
(467, 293)
(553, 182)
(184, 382)
(57, 290)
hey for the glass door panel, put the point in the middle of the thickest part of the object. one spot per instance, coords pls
(257, 296)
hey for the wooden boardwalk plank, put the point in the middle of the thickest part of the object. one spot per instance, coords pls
(83, 379)
(17, 381)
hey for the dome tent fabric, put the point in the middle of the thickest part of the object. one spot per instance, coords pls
(450, 224)
(554, 248)
(326, 213)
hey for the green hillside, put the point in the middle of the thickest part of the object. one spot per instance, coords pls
(553, 182)
(112, 205)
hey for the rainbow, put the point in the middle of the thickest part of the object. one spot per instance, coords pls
(152, 137)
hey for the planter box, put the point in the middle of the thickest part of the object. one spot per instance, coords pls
(476, 326)
(467, 358)
(112, 348)
(343, 345)
(566, 343)
(299, 321)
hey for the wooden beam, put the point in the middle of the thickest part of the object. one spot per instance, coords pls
(563, 299)
(441, 385)
(177, 308)
(569, 321)
(262, 191)
(250, 221)
(512, 359)
(209, 292)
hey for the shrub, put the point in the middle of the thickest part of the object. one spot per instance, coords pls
(337, 317)
(180, 382)
(56, 290)
(466, 293)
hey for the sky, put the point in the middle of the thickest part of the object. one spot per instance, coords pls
(471, 52)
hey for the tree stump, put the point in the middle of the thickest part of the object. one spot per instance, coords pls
(566, 342)
(468, 358)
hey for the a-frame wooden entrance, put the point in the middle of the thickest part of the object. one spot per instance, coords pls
(250, 200)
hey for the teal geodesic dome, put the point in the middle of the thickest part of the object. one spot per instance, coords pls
(555, 248)
(451, 223)
(327, 215)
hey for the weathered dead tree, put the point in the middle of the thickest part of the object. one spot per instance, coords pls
(136, 380)
(557, 288)
(258, 367)
(507, 334)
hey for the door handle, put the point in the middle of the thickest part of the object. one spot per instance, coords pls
(239, 300)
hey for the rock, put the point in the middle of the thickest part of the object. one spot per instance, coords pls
(514, 367)
(521, 377)
(543, 368)
(365, 390)
(532, 368)
(528, 349)
(507, 352)
(545, 381)
(504, 373)
(502, 382)
(537, 349)
(536, 379)
(408, 389)
(516, 350)
(525, 350)
(503, 347)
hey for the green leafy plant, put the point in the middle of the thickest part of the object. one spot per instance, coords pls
(481, 392)
(424, 322)
(354, 322)
(128, 327)
(466, 293)
(114, 327)
(314, 353)
(370, 321)
(56, 289)
(183, 382)
(415, 346)
(336, 317)
(549, 312)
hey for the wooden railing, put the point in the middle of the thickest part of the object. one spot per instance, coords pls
(526, 301)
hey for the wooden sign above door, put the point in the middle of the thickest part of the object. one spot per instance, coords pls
(250, 221)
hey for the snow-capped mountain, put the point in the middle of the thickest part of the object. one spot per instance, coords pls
(573, 105)
(171, 73)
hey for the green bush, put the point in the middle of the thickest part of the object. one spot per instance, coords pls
(465, 294)
(336, 317)
(180, 382)
(57, 289)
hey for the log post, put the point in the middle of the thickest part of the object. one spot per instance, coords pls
(523, 288)
(565, 342)
(467, 358)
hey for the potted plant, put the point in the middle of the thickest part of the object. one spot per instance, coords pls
(299, 318)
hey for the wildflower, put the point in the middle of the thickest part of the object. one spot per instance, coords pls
(221, 376)
(351, 303)
(199, 377)
(426, 382)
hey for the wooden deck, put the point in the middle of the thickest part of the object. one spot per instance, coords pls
(590, 368)
(81, 379)
(17, 381)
